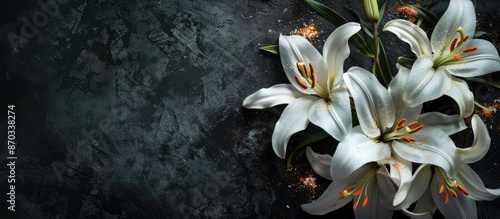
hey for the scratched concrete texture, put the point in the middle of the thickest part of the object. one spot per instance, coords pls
(132, 109)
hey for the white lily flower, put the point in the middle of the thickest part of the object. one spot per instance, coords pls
(316, 93)
(455, 196)
(450, 52)
(384, 137)
(367, 187)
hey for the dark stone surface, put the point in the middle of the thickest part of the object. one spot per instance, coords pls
(132, 109)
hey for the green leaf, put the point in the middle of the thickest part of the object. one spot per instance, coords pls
(274, 49)
(478, 34)
(382, 11)
(367, 28)
(337, 20)
(309, 140)
(384, 64)
(406, 62)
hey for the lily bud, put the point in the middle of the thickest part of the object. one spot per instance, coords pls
(370, 8)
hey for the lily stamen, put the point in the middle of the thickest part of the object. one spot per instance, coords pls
(359, 189)
(300, 82)
(453, 44)
(450, 185)
(470, 49)
(416, 129)
(441, 189)
(365, 201)
(462, 190)
(401, 124)
(457, 57)
(408, 139)
(453, 193)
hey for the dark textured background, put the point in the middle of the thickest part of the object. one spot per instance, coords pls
(132, 109)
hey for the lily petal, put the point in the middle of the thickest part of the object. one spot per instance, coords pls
(328, 202)
(411, 34)
(460, 207)
(356, 150)
(460, 13)
(459, 91)
(425, 83)
(273, 96)
(474, 185)
(402, 176)
(432, 146)
(449, 124)
(415, 188)
(336, 50)
(481, 143)
(320, 163)
(396, 89)
(374, 105)
(295, 49)
(483, 60)
(333, 117)
(292, 120)
(424, 204)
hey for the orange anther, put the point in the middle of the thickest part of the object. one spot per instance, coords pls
(417, 128)
(358, 192)
(441, 189)
(412, 124)
(465, 38)
(462, 190)
(446, 198)
(400, 124)
(408, 139)
(313, 78)
(312, 68)
(365, 201)
(355, 205)
(341, 197)
(470, 49)
(300, 82)
(453, 44)
(453, 193)
(457, 57)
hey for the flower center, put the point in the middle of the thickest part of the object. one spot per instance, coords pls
(456, 50)
(307, 79)
(401, 130)
(449, 186)
(359, 190)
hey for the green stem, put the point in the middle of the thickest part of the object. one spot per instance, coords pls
(375, 49)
